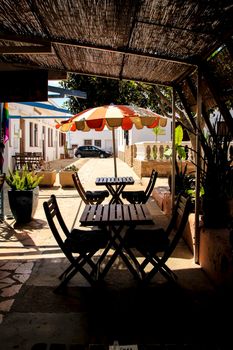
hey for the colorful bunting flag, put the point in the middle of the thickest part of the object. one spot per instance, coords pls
(5, 122)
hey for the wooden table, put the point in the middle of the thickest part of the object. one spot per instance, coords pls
(117, 217)
(115, 186)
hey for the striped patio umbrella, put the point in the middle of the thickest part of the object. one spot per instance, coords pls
(111, 117)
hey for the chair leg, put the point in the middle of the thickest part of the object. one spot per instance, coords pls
(69, 268)
(158, 266)
(76, 266)
(119, 247)
(161, 267)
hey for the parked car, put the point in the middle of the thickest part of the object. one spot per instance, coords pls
(91, 151)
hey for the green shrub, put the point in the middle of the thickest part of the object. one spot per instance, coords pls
(23, 180)
(71, 168)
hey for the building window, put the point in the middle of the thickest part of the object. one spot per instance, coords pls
(35, 135)
(87, 142)
(97, 143)
(49, 138)
(62, 139)
(51, 130)
(31, 134)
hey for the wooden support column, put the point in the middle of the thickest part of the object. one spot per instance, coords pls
(1, 169)
(186, 107)
(173, 148)
(198, 167)
(229, 45)
(203, 107)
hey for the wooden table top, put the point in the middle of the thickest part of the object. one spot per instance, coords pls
(128, 180)
(135, 214)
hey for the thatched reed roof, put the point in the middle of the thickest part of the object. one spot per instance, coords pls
(154, 41)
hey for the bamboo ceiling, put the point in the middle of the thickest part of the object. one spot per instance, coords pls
(154, 41)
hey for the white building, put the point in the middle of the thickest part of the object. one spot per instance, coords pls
(102, 139)
(145, 134)
(35, 134)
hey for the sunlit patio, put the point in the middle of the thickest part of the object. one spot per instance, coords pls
(118, 309)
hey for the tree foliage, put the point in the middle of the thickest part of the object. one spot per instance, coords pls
(102, 91)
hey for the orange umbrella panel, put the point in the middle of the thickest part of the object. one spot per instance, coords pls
(112, 116)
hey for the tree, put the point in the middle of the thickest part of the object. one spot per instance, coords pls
(101, 91)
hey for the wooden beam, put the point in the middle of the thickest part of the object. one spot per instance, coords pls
(26, 49)
(175, 28)
(56, 75)
(23, 39)
(229, 45)
(45, 106)
(79, 44)
(17, 67)
(27, 85)
(67, 92)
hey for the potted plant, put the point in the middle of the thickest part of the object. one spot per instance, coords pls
(23, 194)
(65, 176)
(184, 179)
(217, 181)
(47, 173)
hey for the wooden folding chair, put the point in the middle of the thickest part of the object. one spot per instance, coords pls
(157, 245)
(135, 197)
(2, 180)
(89, 197)
(79, 246)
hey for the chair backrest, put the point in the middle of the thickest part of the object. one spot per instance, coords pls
(151, 184)
(79, 187)
(2, 179)
(178, 222)
(55, 220)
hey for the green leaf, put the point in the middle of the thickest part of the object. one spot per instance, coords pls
(178, 135)
(23, 180)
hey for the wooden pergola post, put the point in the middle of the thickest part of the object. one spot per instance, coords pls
(173, 182)
(198, 167)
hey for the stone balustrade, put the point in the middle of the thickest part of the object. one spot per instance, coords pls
(151, 150)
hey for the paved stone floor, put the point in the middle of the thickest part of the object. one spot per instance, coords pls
(191, 314)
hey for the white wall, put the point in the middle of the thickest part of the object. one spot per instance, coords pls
(78, 137)
(142, 135)
(13, 144)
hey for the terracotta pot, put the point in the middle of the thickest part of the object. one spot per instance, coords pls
(49, 177)
(65, 178)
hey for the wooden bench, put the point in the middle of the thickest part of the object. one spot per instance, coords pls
(31, 159)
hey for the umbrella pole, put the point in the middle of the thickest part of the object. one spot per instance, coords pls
(114, 151)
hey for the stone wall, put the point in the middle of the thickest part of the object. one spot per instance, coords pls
(129, 155)
(121, 155)
(143, 168)
(216, 256)
(215, 250)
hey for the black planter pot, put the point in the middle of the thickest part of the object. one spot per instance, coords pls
(23, 204)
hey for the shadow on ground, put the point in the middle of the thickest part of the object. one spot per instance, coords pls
(118, 309)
